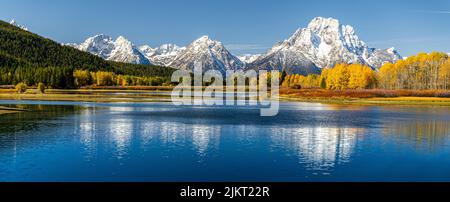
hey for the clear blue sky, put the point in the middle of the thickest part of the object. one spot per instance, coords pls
(245, 26)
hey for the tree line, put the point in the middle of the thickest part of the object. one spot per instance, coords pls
(102, 78)
(340, 77)
(55, 77)
(67, 78)
(421, 72)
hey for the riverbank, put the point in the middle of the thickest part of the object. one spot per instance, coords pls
(8, 110)
(374, 101)
(89, 95)
(136, 94)
(372, 96)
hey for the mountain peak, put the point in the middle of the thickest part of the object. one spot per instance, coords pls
(162, 55)
(147, 50)
(169, 49)
(101, 36)
(205, 40)
(322, 22)
(123, 40)
(120, 50)
(248, 58)
(323, 43)
(391, 50)
(212, 54)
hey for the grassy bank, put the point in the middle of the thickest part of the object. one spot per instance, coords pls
(375, 101)
(372, 96)
(87, 95)
(154, 88)
(364, 93)
(158, 94)
(8, 110)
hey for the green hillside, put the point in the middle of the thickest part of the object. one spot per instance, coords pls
(27, 53)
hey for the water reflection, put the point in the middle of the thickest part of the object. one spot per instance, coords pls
(423, 134)
(87, 132)
(319, 148)
(157, 142)
(148, 129)
(120, 130)
(125, 131)
(15, 128)
(171, 133)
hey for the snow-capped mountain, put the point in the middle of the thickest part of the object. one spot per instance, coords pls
(324, 43)
(163, 55)
(147, 50)
(125, 51)
(212, 54)
(119, 50)
(13, 22)
(248, 58)
(381, 56)
(100, 45)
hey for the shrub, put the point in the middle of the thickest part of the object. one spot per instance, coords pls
(21, 87)
(167, 83)
(297, 86)
(82, 78)
(41, 88)
(105, 78)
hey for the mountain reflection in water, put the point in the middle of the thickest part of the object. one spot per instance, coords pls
(161, 142)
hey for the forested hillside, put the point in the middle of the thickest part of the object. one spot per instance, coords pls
(24, 55)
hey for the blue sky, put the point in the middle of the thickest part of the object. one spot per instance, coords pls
(244, 26)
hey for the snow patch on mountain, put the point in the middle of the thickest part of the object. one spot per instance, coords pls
(248, 58)
(13, 22)
(163, 55)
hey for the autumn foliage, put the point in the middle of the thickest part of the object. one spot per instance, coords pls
(102, 78)
(342, 76)
(421, 72)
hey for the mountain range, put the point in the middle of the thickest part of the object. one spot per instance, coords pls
(322, 44)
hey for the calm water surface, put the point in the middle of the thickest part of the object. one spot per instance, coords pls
(70, 141)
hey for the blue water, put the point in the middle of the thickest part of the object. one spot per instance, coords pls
(72, 141)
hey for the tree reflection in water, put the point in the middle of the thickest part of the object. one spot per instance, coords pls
(424, 134)
(15, 127)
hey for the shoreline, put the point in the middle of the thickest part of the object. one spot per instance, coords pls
(134, 95)
(420, 101)
(9, 110)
